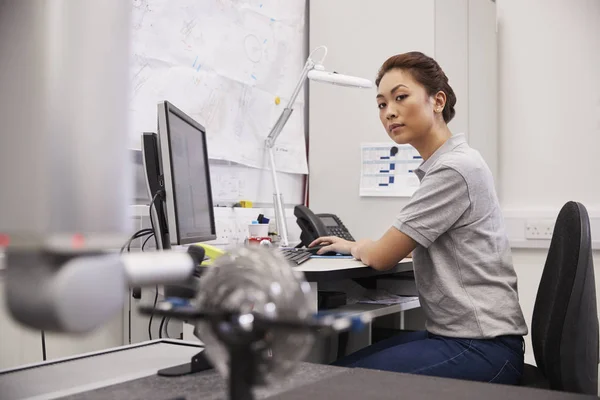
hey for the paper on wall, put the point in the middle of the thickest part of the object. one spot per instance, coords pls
(223, 63)
(387, 169)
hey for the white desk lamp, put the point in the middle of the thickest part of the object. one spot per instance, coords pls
(315, 71)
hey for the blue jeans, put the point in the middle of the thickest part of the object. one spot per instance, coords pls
(498, 360)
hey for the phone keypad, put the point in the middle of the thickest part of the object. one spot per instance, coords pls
(340, 232)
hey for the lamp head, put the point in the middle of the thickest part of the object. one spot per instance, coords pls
(319, 74)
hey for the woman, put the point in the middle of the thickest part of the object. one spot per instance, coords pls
(454, 228)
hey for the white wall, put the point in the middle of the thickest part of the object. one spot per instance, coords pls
(549, 73)
(549, 116)
(359, 37)
(459, 33)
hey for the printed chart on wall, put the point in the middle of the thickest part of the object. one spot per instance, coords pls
(387, 169)
(229, 65)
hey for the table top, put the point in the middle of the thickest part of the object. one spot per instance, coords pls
(324, 269)
(128, 372)
(122, 373)
(363, 384)
(94, 376)
(330, 269)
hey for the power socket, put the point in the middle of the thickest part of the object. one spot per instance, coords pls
(541, 229)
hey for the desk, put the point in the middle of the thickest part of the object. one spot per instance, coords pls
(321, 270)
(128, 372)
(317, 271)
(329, 269)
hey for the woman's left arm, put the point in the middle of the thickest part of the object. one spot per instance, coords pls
(385, 253)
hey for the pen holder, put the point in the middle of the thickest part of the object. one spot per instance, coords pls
(258, 230)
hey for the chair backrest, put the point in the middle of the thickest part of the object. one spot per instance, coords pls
(564, 329)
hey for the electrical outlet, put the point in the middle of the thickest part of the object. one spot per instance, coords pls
(539, 229)
(224, 231)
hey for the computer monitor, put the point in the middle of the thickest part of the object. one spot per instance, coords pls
(176, 160)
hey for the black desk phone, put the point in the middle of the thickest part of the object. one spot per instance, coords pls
(317, 225)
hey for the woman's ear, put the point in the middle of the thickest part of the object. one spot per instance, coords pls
(439, 102)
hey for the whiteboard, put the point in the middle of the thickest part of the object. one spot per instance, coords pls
(225, 63)
(231, 183)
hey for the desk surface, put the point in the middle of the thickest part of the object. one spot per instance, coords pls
(370, 384)
(121, 373)
(330, 269)
(335, 269)
(112, 375)
(89, 371)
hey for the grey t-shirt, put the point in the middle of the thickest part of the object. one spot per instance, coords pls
(463, 266)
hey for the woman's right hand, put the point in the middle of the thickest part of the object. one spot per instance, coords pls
(333, 243)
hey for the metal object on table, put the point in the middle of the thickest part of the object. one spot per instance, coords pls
(253, 313)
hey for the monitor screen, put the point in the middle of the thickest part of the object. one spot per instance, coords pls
(185, 170)
(190, 179)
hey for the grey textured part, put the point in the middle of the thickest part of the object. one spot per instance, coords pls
(206, 385)
(96, 371)
(363, 384)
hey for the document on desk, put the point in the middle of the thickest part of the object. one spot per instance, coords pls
(383, 297)
(387, 169)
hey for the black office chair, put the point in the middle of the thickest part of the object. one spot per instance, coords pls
(564, 328)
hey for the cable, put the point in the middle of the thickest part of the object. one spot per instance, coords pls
(152, 314)
(136, 290)
(138, 234)
(155, 301)
(44, 345)
(153, 203)
(146, 241)
(137, 293)
(160, 328)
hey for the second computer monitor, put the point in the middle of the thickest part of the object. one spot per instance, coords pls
(186, 174)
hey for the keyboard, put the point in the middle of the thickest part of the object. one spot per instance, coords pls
(296, 256)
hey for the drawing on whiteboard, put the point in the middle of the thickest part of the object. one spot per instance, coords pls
(141, 8)
(253, 48)
(186, 29)
(232, 182)
(222, 62)
(140, 75)
(387, 169)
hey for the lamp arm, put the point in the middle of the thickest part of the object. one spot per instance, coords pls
(279, 210)
(287, 111)
(270, 143)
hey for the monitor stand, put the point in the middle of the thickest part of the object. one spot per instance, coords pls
(198, 363)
